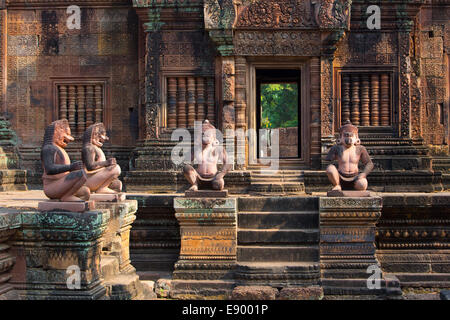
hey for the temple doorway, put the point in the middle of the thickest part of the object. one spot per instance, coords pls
(278, 113)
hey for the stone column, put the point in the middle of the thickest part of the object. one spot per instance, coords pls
(9, 223)
(228, 101)
(208, 245)
(117, 236)
(55, 245)
(347, 245)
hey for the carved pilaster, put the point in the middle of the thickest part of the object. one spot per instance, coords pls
(327, 96)
(241, 107)
(405, 70)
(152, 67)
(315, 112)
(228, 93)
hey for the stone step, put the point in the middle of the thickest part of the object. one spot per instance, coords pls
(279, 220)
(123, 287)
(278, 236)
(267, 204)
(278, 253)
(109, 266)
(277, 187)
(279, 266)
(278, 274)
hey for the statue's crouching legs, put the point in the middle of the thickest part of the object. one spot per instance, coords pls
(218, 183)
(116, 185)
(361, 184)
(191, 176)
(333, 176)
(100, 181)
(69, 188)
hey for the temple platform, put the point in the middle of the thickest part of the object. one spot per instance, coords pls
(280, 242)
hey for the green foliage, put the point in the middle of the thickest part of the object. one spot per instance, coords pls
(279, 105)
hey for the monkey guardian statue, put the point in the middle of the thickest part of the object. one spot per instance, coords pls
(208, 156)
(102, 174)
(348, 152)
(61, 179)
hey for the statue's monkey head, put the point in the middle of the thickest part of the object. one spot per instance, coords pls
(58, 133)
(348, 135)
(95, 134)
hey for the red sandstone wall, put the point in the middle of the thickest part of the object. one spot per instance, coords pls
(434, 70)
(41, 47)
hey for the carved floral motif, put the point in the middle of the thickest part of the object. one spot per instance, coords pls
(276, 14)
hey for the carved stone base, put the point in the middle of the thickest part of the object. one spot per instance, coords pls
(9, 223)
(208, 239)
(51, 247)
(117, 197)
(117, 236)
(347, 246)
(206, 194)
(75, 206)
(348, 193)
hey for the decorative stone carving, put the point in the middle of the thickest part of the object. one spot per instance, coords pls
(275, 14)
(102, 174)
(348, 152)
(53, 241)
(208, 237)
(347, 246)
(332, 14)
(285, 43)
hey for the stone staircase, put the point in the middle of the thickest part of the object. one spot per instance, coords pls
(277, 181)
(278, 241)
(123, 286)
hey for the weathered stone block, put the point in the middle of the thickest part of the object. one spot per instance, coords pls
(254, 293)
(307, 293)
(117, 235)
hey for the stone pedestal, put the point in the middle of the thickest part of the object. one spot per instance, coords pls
(52, 246)
(347, 246)
(9, 223)
(11, 177)
(117, 236)
(208, 246)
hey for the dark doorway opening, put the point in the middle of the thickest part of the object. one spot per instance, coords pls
(278, 108)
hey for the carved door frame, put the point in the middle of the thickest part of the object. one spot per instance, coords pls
(301, 64)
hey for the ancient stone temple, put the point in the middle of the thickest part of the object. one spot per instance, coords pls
(145, 68)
